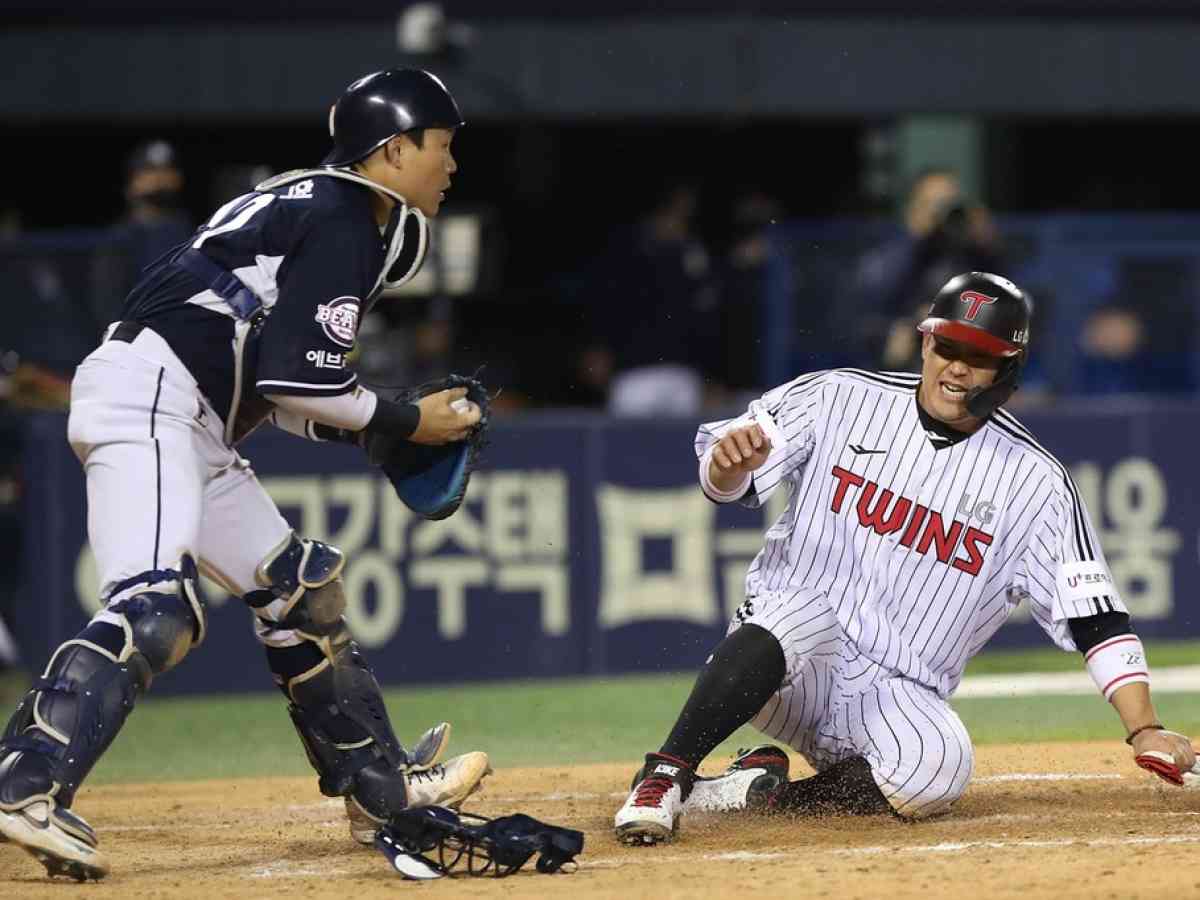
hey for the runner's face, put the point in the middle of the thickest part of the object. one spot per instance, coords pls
(949, 369)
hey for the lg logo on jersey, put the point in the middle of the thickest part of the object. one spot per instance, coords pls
(983, 510)
(923, 528)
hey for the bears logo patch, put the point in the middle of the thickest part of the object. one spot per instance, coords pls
(339, 319)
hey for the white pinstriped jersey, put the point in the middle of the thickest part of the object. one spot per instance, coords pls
(922, 550)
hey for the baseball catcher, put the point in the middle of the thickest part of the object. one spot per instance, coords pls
(921, 514)
(252, 320)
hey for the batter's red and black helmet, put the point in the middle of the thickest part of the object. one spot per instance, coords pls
(991, 314)
(381, 105)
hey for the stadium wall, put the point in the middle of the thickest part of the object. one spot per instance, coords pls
(584, 547)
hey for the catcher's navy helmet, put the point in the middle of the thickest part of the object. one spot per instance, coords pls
(991, 314)
(384, 104)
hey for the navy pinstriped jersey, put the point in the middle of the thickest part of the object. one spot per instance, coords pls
(923, 547)
(311, 252)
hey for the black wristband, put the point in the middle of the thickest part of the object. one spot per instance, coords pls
(1088, 631)
(394, 419)
(1155, 727)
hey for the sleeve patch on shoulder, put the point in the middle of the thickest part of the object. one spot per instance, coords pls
(1082, 580)
(339, 319)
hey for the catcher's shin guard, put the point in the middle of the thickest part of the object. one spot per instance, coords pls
(331, 711)
(75, 709)
(335, 701)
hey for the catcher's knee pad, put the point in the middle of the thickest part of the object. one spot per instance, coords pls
(302, 595)
(161, 614)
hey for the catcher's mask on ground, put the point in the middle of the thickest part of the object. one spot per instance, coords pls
(433, 841)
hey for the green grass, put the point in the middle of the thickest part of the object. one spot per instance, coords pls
(997, 720)
(1051, 659)
(566, 721)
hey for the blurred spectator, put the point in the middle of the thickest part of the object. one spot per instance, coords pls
(743, 272)
(1112, 342)
(654, 314)
(1128, 349)
(46, 332)
(944, 234)
(153, 223)
(405, 341)
(45, 335)
(233, 181)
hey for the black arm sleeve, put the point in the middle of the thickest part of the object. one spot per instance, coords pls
(391, 420)
(394, 419)
(1089, 631)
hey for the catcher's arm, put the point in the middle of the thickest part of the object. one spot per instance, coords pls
(437, 418)
(427, 442)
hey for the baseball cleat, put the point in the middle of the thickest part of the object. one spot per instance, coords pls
(429, 747)
(57, 838)
(748, 783)
(446, 784)
(651, 812)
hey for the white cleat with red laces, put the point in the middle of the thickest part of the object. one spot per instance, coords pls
(651, 813)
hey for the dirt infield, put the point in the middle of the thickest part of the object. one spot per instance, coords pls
(1052, 820)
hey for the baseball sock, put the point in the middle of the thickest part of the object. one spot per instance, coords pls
(845, 787)
(739, 678)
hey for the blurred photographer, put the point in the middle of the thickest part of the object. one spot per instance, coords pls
(154, 221)
(944, 234)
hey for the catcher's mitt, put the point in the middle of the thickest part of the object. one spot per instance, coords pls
(432, 480)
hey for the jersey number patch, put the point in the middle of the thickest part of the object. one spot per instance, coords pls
(237, 212)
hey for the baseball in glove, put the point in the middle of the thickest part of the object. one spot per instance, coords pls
(432, 480)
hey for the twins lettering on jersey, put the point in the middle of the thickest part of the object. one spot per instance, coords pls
(923, 528)
(339, 319)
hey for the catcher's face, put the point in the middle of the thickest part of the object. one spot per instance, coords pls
(422, 174)
(949, 369)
